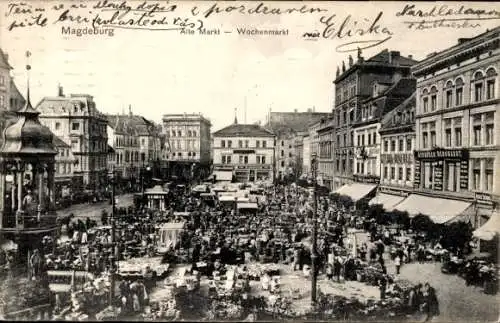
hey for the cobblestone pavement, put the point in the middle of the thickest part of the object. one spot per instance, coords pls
(457, 302)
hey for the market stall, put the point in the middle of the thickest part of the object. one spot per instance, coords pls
(169, 235)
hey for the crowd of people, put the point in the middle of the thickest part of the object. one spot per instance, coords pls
(215, 236)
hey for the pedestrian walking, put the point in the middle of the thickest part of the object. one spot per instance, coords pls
(397, 264)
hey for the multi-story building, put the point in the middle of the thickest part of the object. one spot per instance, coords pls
(188, 139)
(352, 87)
(126, 158)
(298, 146)
(244, 152)
(11, 99)
(287, 126)
(325, 157)
(65, 179)
(76, 120)
(385, 97)
(136, 145)
(397, 141)
(457, 157)
(306, 155)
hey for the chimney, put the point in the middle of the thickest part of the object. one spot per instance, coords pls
(130, 110)
(309, 110)
(295, 110)
(410, 56)
(463, 40)
(60, 92)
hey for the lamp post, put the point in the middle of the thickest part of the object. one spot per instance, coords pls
(113, 251)
(314, 254)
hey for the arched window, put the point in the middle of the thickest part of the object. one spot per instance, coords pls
(448, 94)
(433, 98)
(189, 133)
(194, 133)
(425, 101)
(459, 91)
(491, 76)
(477, 86)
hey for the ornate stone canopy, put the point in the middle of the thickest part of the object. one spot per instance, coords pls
(27, 137)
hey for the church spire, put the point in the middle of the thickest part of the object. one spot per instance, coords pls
(235, 116)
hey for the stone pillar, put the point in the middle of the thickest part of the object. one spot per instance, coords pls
(2, 194)
(51, 185)
(40, 172)
(20, 175)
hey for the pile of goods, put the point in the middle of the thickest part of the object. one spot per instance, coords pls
(165, 308)
(19, 294)
(371, 274)
(256, 270)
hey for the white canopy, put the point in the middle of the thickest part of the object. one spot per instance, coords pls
(388, 201)
(490, 229)
(227, 198)
(223, 176)
(356, 191)
(439, 210)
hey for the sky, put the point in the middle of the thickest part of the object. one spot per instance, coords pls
(161, 72)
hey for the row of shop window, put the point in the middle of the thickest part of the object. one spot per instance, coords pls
(481, 177)
(226, 159)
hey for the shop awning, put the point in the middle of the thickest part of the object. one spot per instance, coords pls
(223, 175)
(341, 189)
(439, 210)
(227, 198)
(247, 206)
(356, 191)
(490, 229)
(388, 201)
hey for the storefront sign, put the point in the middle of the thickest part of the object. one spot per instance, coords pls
(438, 176)
(416, 177)
(482, 197)
(243, 151)
(464, 174)
(461, 154)
(396, 158)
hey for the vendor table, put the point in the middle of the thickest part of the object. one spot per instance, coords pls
(135, 266)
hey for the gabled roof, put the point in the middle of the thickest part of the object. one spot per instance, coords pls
(243, 130)
(59, 143)
(388, 121)
(66, 105)
(293, 122)
(4, 63)
(391, 97)
(132, 124)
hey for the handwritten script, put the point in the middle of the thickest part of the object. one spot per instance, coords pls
(445, 16)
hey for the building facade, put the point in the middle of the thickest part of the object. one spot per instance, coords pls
(11, 99)
(397, 142)
(66, 181)
(326, 132)
(352, 87)
(188, 140)
(287, 126)
(306, 155)
(76, 120)
(136, 146)
(385, 98)
(244, 153)
(457, 121)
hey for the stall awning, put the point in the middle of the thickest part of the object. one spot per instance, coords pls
(223, 175)
(490, 229)
(388, 201)
(227, 198)
(356, 191)
(247, 206)
(439, 210)
(173, 226)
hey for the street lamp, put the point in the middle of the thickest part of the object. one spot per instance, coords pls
(314, 254)
(113, 251)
